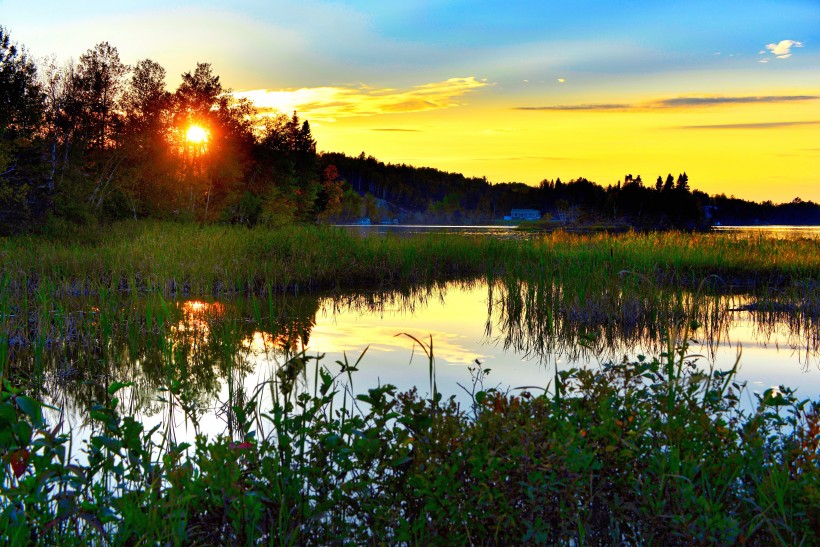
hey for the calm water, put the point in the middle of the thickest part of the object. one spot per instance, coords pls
(511, 232)
(522, 333)
(212, 347)
(503, 232)
(771, 231)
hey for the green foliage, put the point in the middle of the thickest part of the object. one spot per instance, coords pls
(635, 452)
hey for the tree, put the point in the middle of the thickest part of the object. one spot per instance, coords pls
(198, 93)
(213, 171)
(287, 151)
(682, 182)
(21, 112)
(100, 82)
(669, 183)
(371, 207)
(329, 202)
(146, 99)
(150, 164)
(21, 97)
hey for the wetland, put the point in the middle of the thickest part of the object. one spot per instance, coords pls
(159, 349)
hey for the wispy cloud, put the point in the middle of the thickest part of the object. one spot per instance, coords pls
(708, 101)
(675, 102)
(783, 49)
(577, 107)
(332, 102)
(761, 125)
(396, 130)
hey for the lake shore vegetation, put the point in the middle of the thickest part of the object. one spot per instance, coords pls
(650, 450)
(100, 140)
(195, 259)
(121, 202)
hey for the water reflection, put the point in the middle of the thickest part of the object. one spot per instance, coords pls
(210, 355)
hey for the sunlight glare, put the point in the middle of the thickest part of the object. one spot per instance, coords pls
(196, 134)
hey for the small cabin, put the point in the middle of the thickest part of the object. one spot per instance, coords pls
(525, 214)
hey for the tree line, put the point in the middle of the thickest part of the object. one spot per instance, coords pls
(97, 140)
(423, 194)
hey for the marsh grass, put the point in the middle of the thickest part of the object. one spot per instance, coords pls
(648, 450)
(174, 259)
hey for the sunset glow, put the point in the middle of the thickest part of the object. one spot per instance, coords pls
(196, 135)
(523, 91)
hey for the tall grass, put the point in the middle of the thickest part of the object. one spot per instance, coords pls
(207, 260)
(643, 451)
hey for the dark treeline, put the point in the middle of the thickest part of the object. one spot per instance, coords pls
(429, 195)
(97, 140)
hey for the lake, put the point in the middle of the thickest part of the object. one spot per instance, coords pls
(522, 333)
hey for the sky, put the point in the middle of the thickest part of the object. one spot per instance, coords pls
(517, 91)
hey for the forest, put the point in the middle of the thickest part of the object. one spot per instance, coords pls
(96, 140)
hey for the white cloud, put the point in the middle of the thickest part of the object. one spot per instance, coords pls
(331, 102)
(782, 49)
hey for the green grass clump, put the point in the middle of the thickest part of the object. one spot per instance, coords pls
(650, 451)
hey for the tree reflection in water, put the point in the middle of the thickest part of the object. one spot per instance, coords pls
(189, 354)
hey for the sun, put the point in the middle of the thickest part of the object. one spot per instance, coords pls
(196, 134)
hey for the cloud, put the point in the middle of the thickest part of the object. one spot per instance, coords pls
(762, 125)
(706, 101)
(577, 107)
(396, 129)
(783, 49)
(331, 102)
(674, 102)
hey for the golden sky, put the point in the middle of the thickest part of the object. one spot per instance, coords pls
(728, 91)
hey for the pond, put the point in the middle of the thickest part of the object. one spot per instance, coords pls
(204, 355)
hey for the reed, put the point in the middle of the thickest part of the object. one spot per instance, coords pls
(649, 450)
(139, 257)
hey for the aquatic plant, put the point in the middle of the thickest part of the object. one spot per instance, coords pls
(650, 450)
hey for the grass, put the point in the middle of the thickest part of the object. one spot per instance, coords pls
(214, 260)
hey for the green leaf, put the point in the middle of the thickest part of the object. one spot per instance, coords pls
(22, 431)
(7, 415)
(116, 386)
(33, 409)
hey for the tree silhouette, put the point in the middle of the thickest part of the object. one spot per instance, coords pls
(21, 112)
